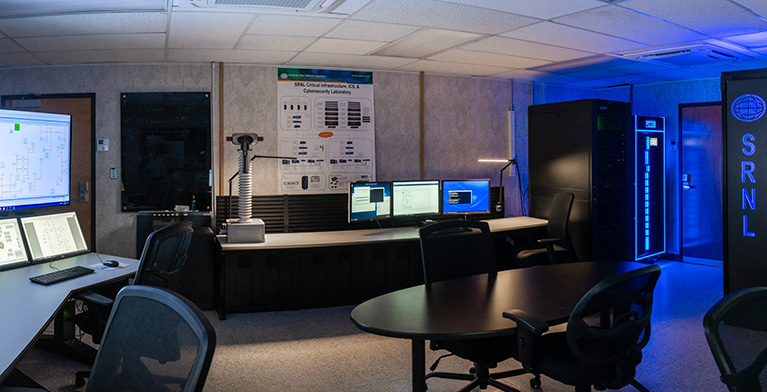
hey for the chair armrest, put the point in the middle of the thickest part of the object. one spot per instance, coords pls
(94, 298)
(547, 241)
(527, 321)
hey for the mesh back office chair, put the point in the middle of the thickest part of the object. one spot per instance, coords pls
(155, 341)
(736, 331)
(559, 248)
(164, 254)
(458, 248)
(605, 335)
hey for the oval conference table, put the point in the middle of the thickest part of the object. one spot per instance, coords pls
(472, 307)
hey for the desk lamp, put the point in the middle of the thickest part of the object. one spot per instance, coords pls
(508, 162)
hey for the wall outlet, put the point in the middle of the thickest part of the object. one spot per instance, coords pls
(112, 173)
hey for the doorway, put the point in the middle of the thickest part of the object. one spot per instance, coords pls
(701, 175)
(82, 108)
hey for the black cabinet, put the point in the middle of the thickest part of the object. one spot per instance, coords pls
(583, 147)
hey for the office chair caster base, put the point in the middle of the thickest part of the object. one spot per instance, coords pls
(535, 382)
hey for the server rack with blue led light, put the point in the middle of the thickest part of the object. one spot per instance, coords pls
(650, 185)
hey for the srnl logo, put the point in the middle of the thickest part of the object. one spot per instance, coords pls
(748, 107)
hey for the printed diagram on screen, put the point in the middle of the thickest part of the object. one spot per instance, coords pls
(11, 245)
(39, 166)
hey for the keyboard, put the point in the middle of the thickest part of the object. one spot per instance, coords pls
(60, 275)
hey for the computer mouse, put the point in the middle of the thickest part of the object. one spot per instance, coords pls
(110, 263)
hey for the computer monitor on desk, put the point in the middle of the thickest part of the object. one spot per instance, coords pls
(415, 198)
(12, 250)
(466, 197)
(369, 200)
(54, 236)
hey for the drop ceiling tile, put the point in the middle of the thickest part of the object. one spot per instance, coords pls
(716, 18)
(571, 37)
(370, 31)
(102, 56)
(442, 67)
(274, 42)
(229, 56)
(18, 59)
(51, 7)
(758, 7)
(209, 30)
(485, 58)
(343, 46)
(441, 15)
(515, 47)
(624, 23)
(581, 64)
(521, 74)
(292, 25)
(349, 60)
(86, 42)
(8, 46)
(80, 24)
(749, 40)
(534, 8)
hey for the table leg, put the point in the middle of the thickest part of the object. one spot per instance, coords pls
(419, 365)
(219, 297)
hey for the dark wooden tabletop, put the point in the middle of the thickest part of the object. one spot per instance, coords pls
(472, 307)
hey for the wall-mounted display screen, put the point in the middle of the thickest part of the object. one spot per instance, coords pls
(369, 200)
(411, 198)
(34, 159)
(466, 196)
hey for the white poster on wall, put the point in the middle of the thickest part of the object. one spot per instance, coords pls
(326, 124)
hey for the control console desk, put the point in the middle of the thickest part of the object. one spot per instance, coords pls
(317, 269)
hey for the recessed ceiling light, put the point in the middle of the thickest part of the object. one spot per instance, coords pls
(426, 42)
(18, 8)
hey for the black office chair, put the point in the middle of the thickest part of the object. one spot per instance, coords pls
(154, 338)
(558, 247)
(458, 248)
(604, 338)
(164, 254)
(736, 331)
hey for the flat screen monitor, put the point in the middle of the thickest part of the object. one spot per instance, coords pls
(369, 200)
(12, 250)
(466, 196)
(34, 159)
(53, 236)
(412, 198)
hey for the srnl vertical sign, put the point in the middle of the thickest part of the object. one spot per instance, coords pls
(745, 130)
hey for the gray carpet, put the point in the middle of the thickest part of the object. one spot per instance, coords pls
(320, 350)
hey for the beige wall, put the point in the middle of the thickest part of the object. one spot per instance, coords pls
(464, 120)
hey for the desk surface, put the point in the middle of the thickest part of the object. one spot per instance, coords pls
(360, 237)
(28, 308)
(472, 307)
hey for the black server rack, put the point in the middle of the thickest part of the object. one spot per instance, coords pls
(585, 147)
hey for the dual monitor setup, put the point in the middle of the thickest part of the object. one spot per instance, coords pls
(39, 239)
(392, 199)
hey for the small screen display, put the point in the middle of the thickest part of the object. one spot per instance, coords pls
(12, 249)
(465, 196)
(369, 200)
(53, 236)
(415, 198)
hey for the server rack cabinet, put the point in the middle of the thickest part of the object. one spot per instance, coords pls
(586, 147)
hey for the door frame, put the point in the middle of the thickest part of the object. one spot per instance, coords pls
(92, 96)
(679, 167)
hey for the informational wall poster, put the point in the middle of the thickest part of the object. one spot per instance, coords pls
(326, 124)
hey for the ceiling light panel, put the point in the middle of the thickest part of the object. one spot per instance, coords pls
(83, 24)
(630, 25)
(425, 42)
(16, 8)
(716, 18)
(485, 58)
(534, 8)
(525, 49)
(571, 37)
(271, 24)
(343, 46)
(186, 31)
(370, 31)
(274, 42)
(441, 15)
